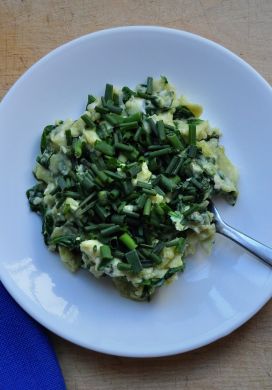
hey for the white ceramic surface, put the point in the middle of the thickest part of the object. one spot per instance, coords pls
(216, 294)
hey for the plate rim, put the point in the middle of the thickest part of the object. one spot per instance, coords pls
(217, 333)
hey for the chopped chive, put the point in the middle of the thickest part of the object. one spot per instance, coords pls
(113, 119)
(128, 241)
(114, 194)
(69, 138)
(108, 92)
(128, 125)
(197, 183)
(131, 214)
(141, 201)
(191, 210)
(114, 109)
(118, 219)
(78, 145)
(128, 187)
(147, 207)
(87, 120)
(91, 99)
(192, 134)
(134, 170)
(159, 247)
(103, 197)
(105, 252)
(149, 86)
(151, 255)
(86, 200)
(104, 148)
(91, 228)
(124, 266)
(114, 175)
(178, 166)
(149, 192)
(168, 184)
(161, 130)
(175, 141)
(101, 175)
(157, 147)
(143, 184)
(138, 134)
(133, 259)
(172, 165)
(172, 242)
(109, 231)
(101, 110)
(153, 126)
(101, 212)
(192, 150)
(158, 210)
(169, 127)
(133, 118)
(127, 148)
(159, 191)
(160, 152)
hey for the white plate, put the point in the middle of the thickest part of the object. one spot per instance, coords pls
(216, 294)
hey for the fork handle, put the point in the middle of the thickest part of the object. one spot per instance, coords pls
(262, 251)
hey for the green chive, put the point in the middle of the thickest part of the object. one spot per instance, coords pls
(128, 125)
(103, 197)
(101, 110)
(91, 99)
(191, 210)
(149, 192)
(113, 119)
(160, 152)
(105, 252)
(104, 148)
(109, 231)
(128, 241)
(133, 259)
(108, 92)
(134, 170)
(138, 134)
(124, 266)
(147, 207)
(127, 148)
(115, 175)
(128, 187)
(101, 212)
(112, 108)
(192, 134)
(114, 194)
(149, 86)
(137, 117)
(69, 138)
(143, 184)
(196, 183)
(175, 141)
(178, 166)
(161, 130)
(88, 120)
(153, 126)
(168, 184)
(192, 150)
(118, 219)
(173, 163)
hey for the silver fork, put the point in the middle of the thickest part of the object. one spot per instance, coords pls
(262, 251)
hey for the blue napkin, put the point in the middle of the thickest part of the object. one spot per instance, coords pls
(27, 360)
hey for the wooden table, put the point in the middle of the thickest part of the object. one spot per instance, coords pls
(29, 30)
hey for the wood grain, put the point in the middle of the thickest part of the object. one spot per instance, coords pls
(30, 29)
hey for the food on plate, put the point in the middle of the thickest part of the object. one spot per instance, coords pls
(124, 190)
